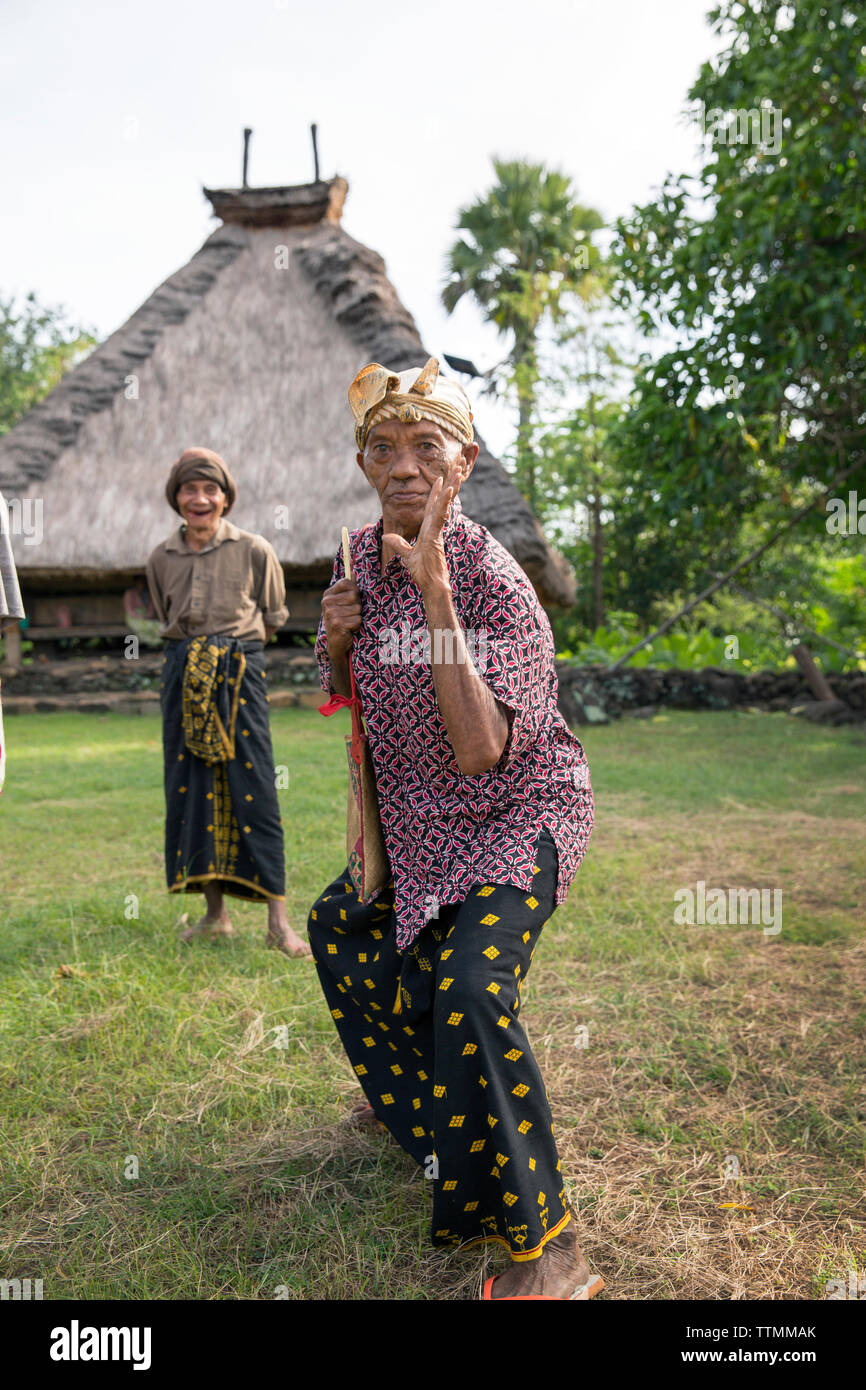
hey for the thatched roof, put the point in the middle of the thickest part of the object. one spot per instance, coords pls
(247, 349)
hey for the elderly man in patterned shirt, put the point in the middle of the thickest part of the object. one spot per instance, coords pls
(486, 811)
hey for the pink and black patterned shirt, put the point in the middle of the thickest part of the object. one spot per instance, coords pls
(444, 831)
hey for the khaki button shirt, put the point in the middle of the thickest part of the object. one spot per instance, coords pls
(234, 587)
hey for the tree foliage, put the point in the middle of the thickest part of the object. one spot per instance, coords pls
(526, 248)
(38, 345)
(756, 269)
(752, 275)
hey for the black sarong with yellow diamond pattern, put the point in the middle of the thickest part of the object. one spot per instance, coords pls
(435, 1040)
(222, 814)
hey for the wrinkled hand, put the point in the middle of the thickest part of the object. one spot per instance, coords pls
(341, 611)
(426, 560)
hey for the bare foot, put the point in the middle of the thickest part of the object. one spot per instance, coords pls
(363, 1116)
(282, 938)
(280, 934)
(557, 1272)
(207, 927)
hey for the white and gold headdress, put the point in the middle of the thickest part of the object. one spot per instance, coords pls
(417, 394)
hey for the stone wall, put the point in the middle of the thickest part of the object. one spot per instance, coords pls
(286, 666)
(587, 694)
(106, 683)
(593, 694)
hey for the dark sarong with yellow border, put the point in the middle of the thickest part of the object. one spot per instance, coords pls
(435, 1039)
(222, 815)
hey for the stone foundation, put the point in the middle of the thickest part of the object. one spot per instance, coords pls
(588, 694)
(594, 694)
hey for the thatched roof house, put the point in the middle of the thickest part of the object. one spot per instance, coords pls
(248, 349)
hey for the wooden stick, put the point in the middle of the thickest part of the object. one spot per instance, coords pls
(247, 134)
(347, 554)
(314, 131)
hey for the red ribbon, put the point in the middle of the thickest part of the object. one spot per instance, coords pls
(336, 702)
(354, 704)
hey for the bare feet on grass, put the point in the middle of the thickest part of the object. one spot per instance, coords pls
(216, 922)
(281, 936)
(207, 927)
(558, 1271)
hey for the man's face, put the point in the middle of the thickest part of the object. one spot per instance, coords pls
(402, 461)
(200, 501)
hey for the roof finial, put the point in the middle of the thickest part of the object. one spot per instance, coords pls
(247, 134)
(314, 132)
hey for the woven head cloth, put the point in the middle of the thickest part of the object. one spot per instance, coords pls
(200, 463)
(418, 394)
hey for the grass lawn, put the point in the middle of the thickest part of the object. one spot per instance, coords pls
(169, 1122)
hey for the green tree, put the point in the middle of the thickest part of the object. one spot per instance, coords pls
(526, 247)
(38, 345)
(755, 272)
(582, 480)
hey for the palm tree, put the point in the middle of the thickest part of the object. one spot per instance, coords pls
(526, 247)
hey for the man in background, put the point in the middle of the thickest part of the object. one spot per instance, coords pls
(219, 594)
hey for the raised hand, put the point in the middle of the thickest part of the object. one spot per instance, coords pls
(426, 560)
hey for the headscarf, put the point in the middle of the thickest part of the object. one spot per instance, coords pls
(377, 394)
(200, 463)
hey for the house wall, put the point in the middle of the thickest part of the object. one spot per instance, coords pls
(62, 611)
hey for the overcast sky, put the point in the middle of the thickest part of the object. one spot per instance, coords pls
(114, 115)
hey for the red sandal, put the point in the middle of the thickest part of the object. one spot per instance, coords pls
(593, 1285)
